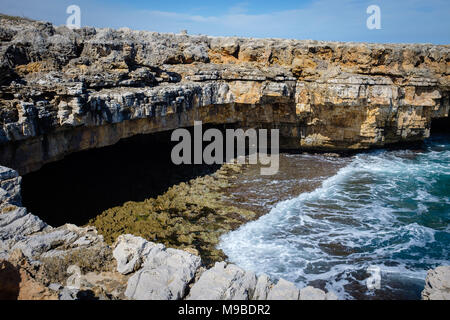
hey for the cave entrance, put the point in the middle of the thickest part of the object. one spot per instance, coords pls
(84, 184)
(440, 126)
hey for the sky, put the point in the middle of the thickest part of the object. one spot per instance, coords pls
(402, 21)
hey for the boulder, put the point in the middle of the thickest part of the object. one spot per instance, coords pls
(437, 284)
(284, 290)
(224, 282)
(311, 293)
(129, 251)
(165, 274)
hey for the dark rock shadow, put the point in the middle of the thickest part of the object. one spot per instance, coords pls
(9, 281)
(84, 184)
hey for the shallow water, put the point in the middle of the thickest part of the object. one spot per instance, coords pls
(386, 208)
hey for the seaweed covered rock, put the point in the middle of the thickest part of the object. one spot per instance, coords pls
(188, 216)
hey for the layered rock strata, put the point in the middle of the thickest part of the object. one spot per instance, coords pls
(66, 90)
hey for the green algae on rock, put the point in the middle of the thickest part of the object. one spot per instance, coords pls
(188, 216)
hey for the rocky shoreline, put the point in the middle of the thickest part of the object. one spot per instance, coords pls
(39, 262)
(65, 91)
(73, 262)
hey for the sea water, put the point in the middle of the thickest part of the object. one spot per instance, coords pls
(386, 208)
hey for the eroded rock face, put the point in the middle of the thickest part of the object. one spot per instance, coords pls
(165, 275)
(65, 90)
(437, 284)
(38, 261)
(18, 283)
(224, 282)
(128, 253)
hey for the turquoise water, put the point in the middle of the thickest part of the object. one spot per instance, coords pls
(389, 209)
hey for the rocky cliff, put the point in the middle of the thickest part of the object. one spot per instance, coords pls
(66, 90)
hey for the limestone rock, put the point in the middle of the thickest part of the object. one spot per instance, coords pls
(311, 293)
(9, 188)
(68, 294)
(129, 252)
(437, 284)
(284, 290)
(224, 282)
(165, 274)
(70, 85)
(262, 289)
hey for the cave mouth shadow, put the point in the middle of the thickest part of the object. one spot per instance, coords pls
(84, 184)
(440, 126)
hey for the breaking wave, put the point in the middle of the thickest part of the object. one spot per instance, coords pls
(386, 208)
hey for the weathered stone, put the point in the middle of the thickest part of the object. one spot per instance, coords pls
(18, 283)
(437, 284)
(284, 290)
(262, 289)
(311, 293)
(112, 84)
(68, 294)
(9, 188)
(165, 274)
(331, 296)
(129, 252)
(224, 282)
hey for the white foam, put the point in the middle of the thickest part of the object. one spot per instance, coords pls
(356, 218)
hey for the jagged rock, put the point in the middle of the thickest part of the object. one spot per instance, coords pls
(19, 280)
(224, 282)
(311, 293)
(9, 188)
(129, 252)
(262, 289)
(68, 294)
(35, 245)
(55, 286)
(437, 284)
(284, 290)
(165, 274)
(15, 226)
(18, 223)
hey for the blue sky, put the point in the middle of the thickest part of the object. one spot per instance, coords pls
(402, 21)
